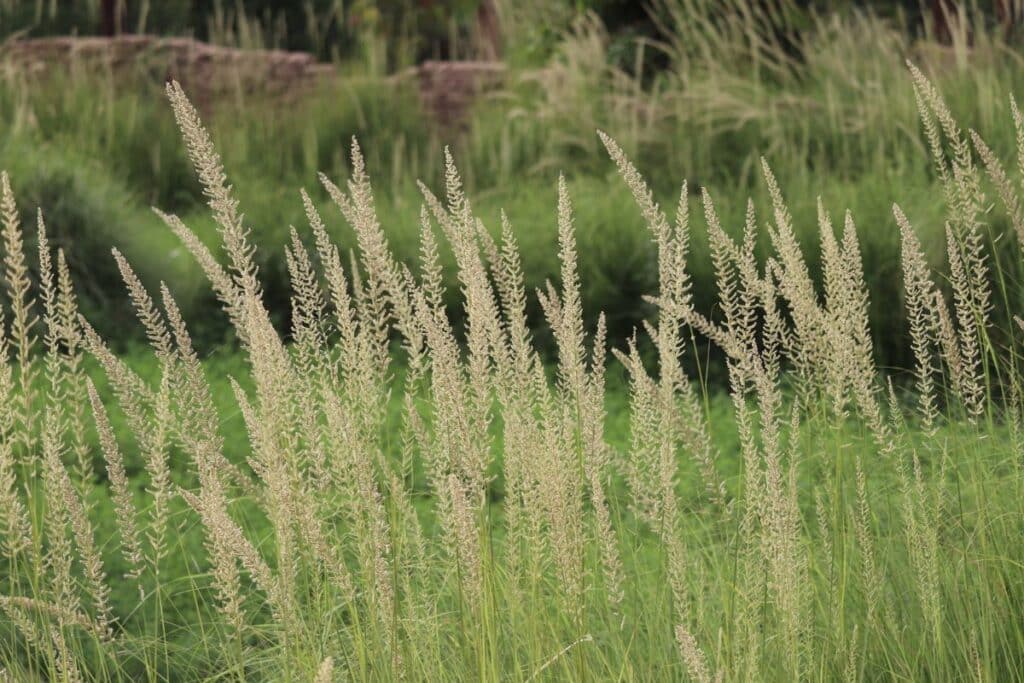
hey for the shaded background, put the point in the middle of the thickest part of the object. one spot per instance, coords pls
(693, 89)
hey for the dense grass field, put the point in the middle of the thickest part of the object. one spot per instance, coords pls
(835, 121)
(550, 413)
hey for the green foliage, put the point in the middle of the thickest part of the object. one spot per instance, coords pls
(406, 30)
(88, 213)
(445, 508)
(839, 122)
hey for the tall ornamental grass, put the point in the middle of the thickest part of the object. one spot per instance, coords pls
(428, 502)
(728, 81)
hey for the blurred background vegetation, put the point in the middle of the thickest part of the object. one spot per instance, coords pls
(692, 89)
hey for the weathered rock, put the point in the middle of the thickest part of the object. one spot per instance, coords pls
(210, 72)
(207, 71)
(448, 89)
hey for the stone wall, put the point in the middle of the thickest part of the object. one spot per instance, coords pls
(208, 72)
(449, 89)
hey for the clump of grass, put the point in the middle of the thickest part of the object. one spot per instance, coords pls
(414, 500)
(731, 82)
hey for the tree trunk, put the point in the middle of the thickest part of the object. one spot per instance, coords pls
(112, 16)
(1008, 13)
(488, 29)
(107, 17)
(945, 17)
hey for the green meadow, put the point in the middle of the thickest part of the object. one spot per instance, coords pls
(691, 352)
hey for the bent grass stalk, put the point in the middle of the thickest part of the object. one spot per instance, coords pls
(419, 501)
